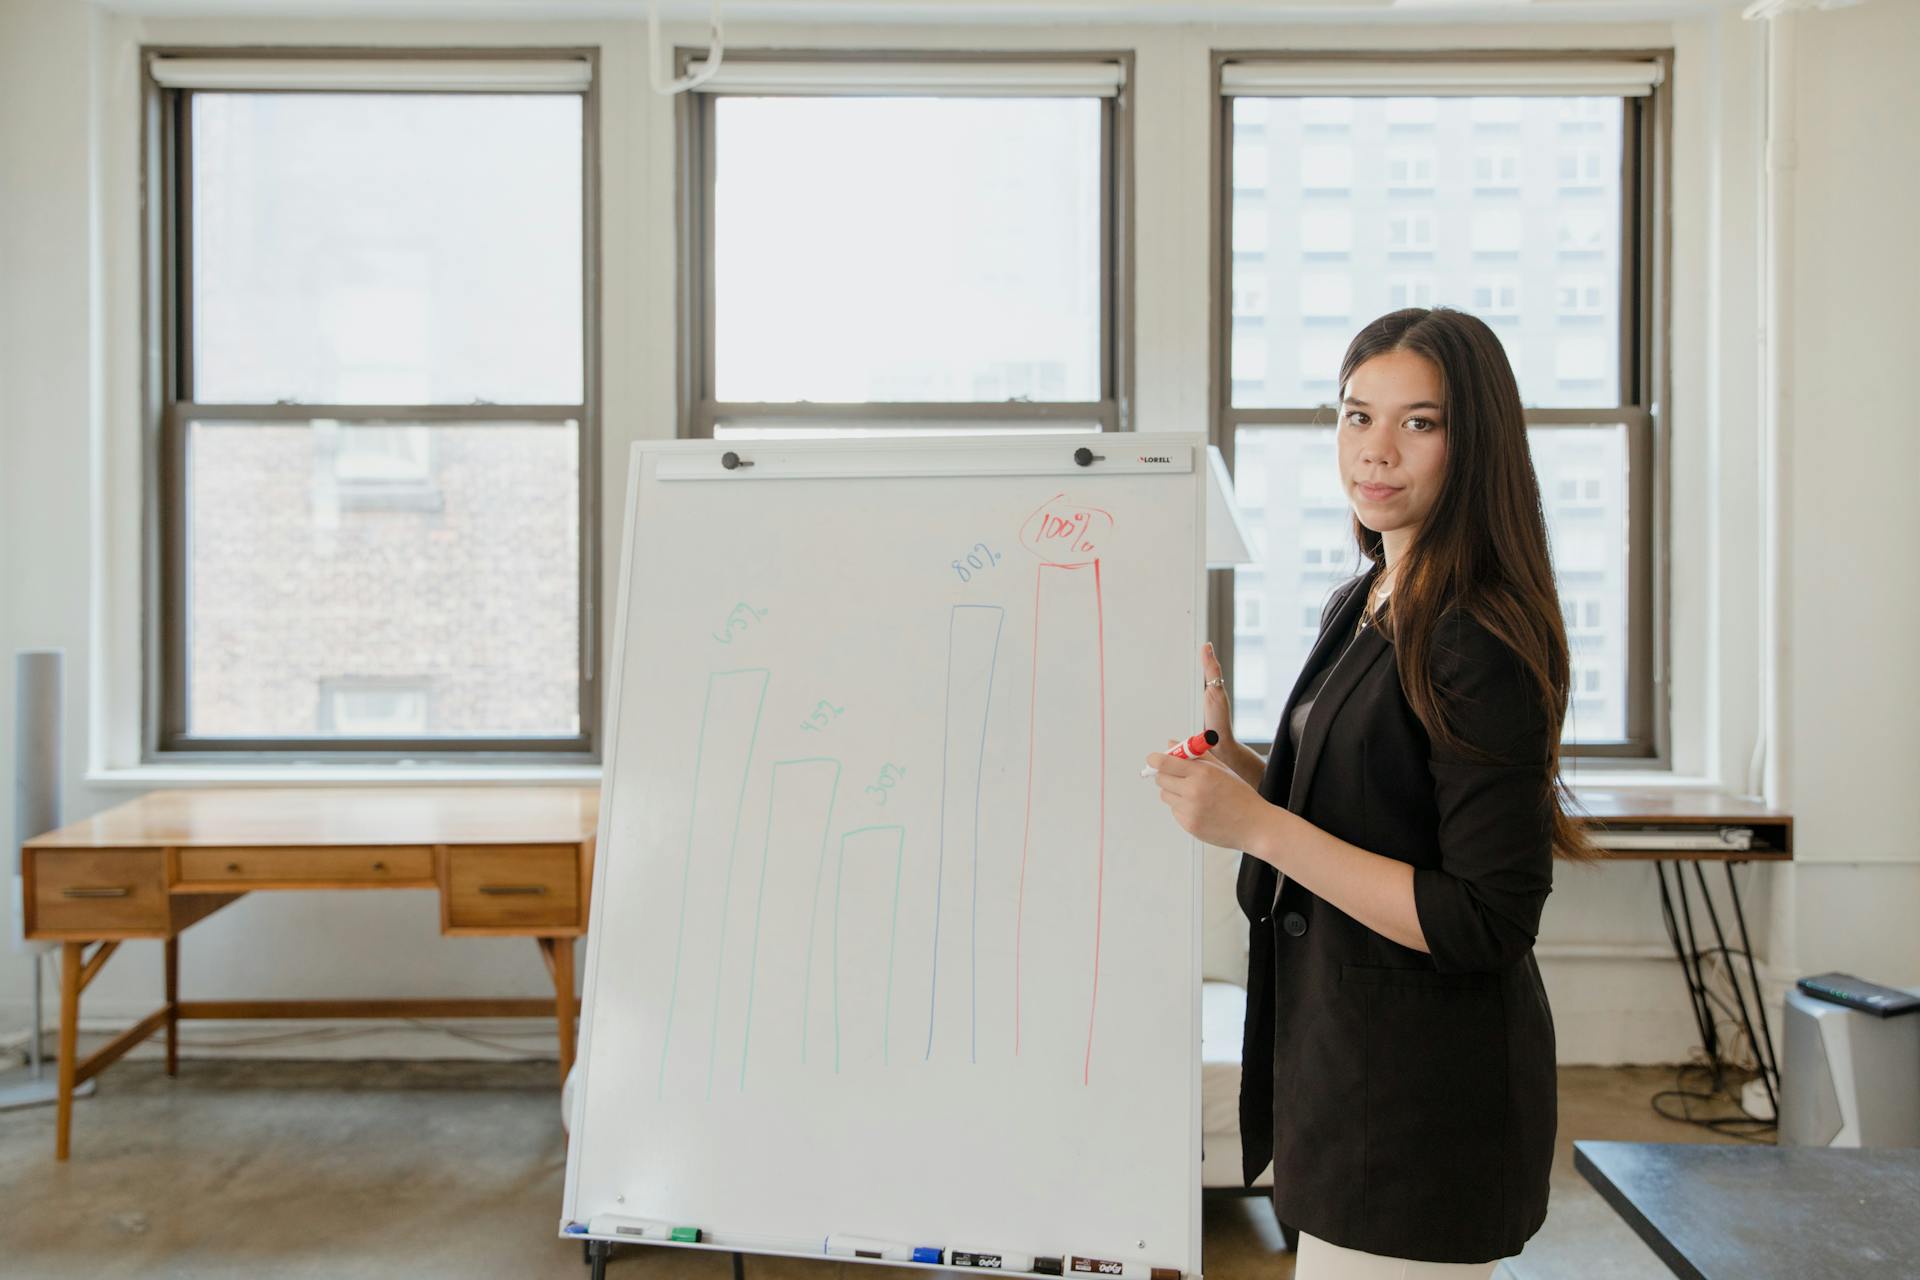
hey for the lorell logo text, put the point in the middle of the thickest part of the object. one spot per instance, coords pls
(1154, 457)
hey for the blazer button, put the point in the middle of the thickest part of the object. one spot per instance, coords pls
(1294, 923)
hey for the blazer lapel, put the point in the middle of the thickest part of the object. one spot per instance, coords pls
(1368, 648)
(1280, 759)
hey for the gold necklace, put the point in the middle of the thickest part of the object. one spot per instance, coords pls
(1370, 612)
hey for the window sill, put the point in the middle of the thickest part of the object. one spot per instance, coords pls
(150, 776)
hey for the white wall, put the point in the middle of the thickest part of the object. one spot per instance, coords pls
(72, 489)
(1848, 458)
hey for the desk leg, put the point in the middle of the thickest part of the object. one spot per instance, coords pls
(70, 956)
(559, 956)
(172, 946)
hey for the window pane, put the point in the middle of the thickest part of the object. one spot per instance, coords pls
(355, 248)
(1286, 484)
(1583, 485)
(1305, 524)
(907, 249)
(1506, 207)
(379, 580)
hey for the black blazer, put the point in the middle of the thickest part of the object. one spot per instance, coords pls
(1407, 1100)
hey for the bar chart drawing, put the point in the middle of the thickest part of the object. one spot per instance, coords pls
(800, 803)
(1063, 864)
(973, 655)
(868, 871)
(722, 760)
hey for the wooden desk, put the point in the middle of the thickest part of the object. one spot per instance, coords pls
(1754, 1212)
(506, 862)
(1626, 808)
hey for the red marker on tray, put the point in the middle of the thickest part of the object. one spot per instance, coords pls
(1192, 749)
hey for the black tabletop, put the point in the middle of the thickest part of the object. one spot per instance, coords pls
(1718, 1212)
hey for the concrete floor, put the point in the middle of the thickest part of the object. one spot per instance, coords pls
(346, 1170)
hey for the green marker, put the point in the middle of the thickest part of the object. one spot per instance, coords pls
(685, 1235)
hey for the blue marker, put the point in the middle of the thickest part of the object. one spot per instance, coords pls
(926, 1253)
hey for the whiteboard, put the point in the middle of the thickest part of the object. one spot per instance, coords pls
(888, 936)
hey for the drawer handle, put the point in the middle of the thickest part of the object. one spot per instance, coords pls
(103, 891)
(233, 866)
(512, 890)
(379, 866)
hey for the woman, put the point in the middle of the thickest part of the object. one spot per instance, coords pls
(1398, 1066)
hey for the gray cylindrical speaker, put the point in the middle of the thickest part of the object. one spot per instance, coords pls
(36, 757)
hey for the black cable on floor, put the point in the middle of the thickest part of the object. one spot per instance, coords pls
(1742, 1125)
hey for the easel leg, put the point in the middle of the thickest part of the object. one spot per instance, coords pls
(172, 950)
(597, 1258)
(559, 957)
(739, 1267)
(70, 956)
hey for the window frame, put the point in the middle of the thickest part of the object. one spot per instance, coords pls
(168, 411)
(699, 412)
(1644, 376)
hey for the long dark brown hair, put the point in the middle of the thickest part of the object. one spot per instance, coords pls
(1483, 546)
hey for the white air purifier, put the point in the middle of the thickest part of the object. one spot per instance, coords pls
(1848, 1078)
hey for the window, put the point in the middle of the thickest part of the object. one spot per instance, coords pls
(1587, 231)
(1410, 232)
(1584, 166)
(1248, 612)
(1410, 170)
(876, 253)
(381, 538)
(395, 707)
(1532, 242)
(1497, 168)
(1580, 296)
(1497, 296)
(1409, 291)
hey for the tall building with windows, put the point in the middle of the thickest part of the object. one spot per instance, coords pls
(1344, 209)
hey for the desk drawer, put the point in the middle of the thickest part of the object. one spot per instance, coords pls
(512, 885)
(295, 865)
(110, 890)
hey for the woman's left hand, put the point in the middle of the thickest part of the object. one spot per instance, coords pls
(1212, 802)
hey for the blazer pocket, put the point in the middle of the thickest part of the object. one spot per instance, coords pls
(1431, 979)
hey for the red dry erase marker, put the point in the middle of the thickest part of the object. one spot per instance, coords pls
(1192, 749)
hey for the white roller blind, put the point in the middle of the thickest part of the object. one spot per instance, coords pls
(919, 79)
(1330, 78)
(376, 75)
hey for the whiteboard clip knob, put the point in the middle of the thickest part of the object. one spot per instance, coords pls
(730, 460)
(1087, 457)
